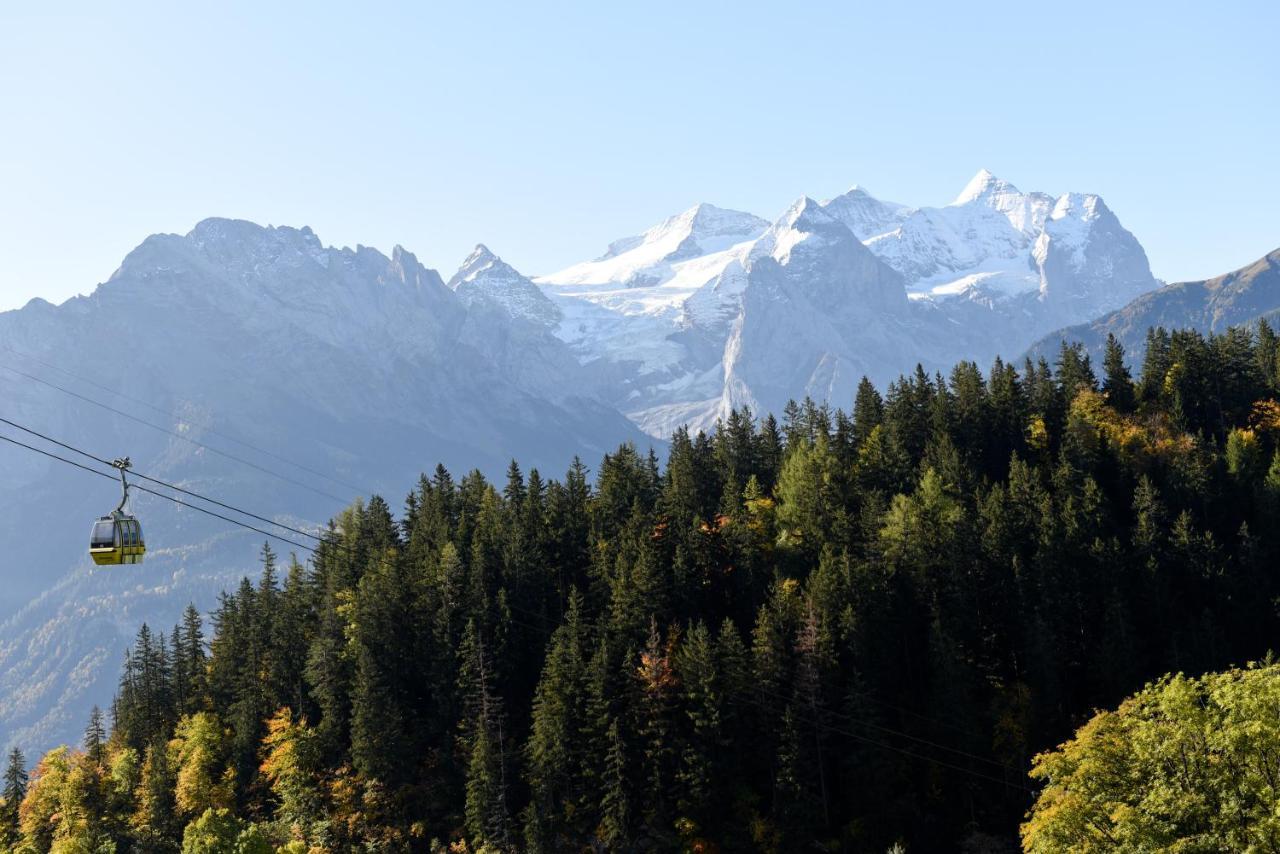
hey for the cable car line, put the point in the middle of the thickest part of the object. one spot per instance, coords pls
(207, 512)
(175, 434)
(177, 501)
(178, 417)
(163, 483)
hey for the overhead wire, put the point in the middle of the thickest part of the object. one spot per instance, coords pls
(177, 501)
(176, 416)
(901, 750)
(159, 482)
(175, 434)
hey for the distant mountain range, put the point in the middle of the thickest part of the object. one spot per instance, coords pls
(712, 309)
(288, 377)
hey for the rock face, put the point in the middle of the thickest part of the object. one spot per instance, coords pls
(811, 315)
(510, 322)
(358, 368)
(1242, 296)
(1088, 262)
(864, 214)
(485, 279)
(691, 325)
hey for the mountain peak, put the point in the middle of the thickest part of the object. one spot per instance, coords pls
(864, 214)
(983, 185)
(1086, 206)
(484, 278)
(700, 210)
(805, 214)
(803, 221)
(480, 260)
(706, 220)
(480, 257)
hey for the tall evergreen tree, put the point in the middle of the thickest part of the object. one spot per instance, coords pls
(15, 789)
(483, 742)
(1117, 382)
(95, 737)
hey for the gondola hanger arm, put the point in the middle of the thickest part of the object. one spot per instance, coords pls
(123, 464)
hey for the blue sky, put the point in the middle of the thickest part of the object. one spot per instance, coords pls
(548, 129)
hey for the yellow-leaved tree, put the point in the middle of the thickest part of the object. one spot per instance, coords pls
(1186, 764)
(199, 752)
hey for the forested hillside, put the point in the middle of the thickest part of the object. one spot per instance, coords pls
(833, 631)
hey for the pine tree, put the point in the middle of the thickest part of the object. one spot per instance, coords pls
(557, 740)
(155, 820)
(15, 789)
(482, 741)
(614, 831)
(1267, 356)
(769, 451)
(868, 411)
(813, 661)
(657, 684)
(95, 737)
(1117, 382)
(1156, 364)
(514, 491)
(382, 646)
(1074, 371)
(702, 698)
(144, 708)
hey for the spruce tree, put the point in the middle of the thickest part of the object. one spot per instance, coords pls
(15, 789)
(1117, 382)
(95, 737)
(483, 744)
(868, 411)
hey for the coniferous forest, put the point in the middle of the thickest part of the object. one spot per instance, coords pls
(829, 631)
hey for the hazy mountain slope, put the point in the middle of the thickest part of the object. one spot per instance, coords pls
(349, 362)
(511, 322)
(1211, 305)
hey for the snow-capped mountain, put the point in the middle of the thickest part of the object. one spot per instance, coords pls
(662, 256)
(485, 279)
(988, 273)
(510, 321)
(812, 314)
(864, 214)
